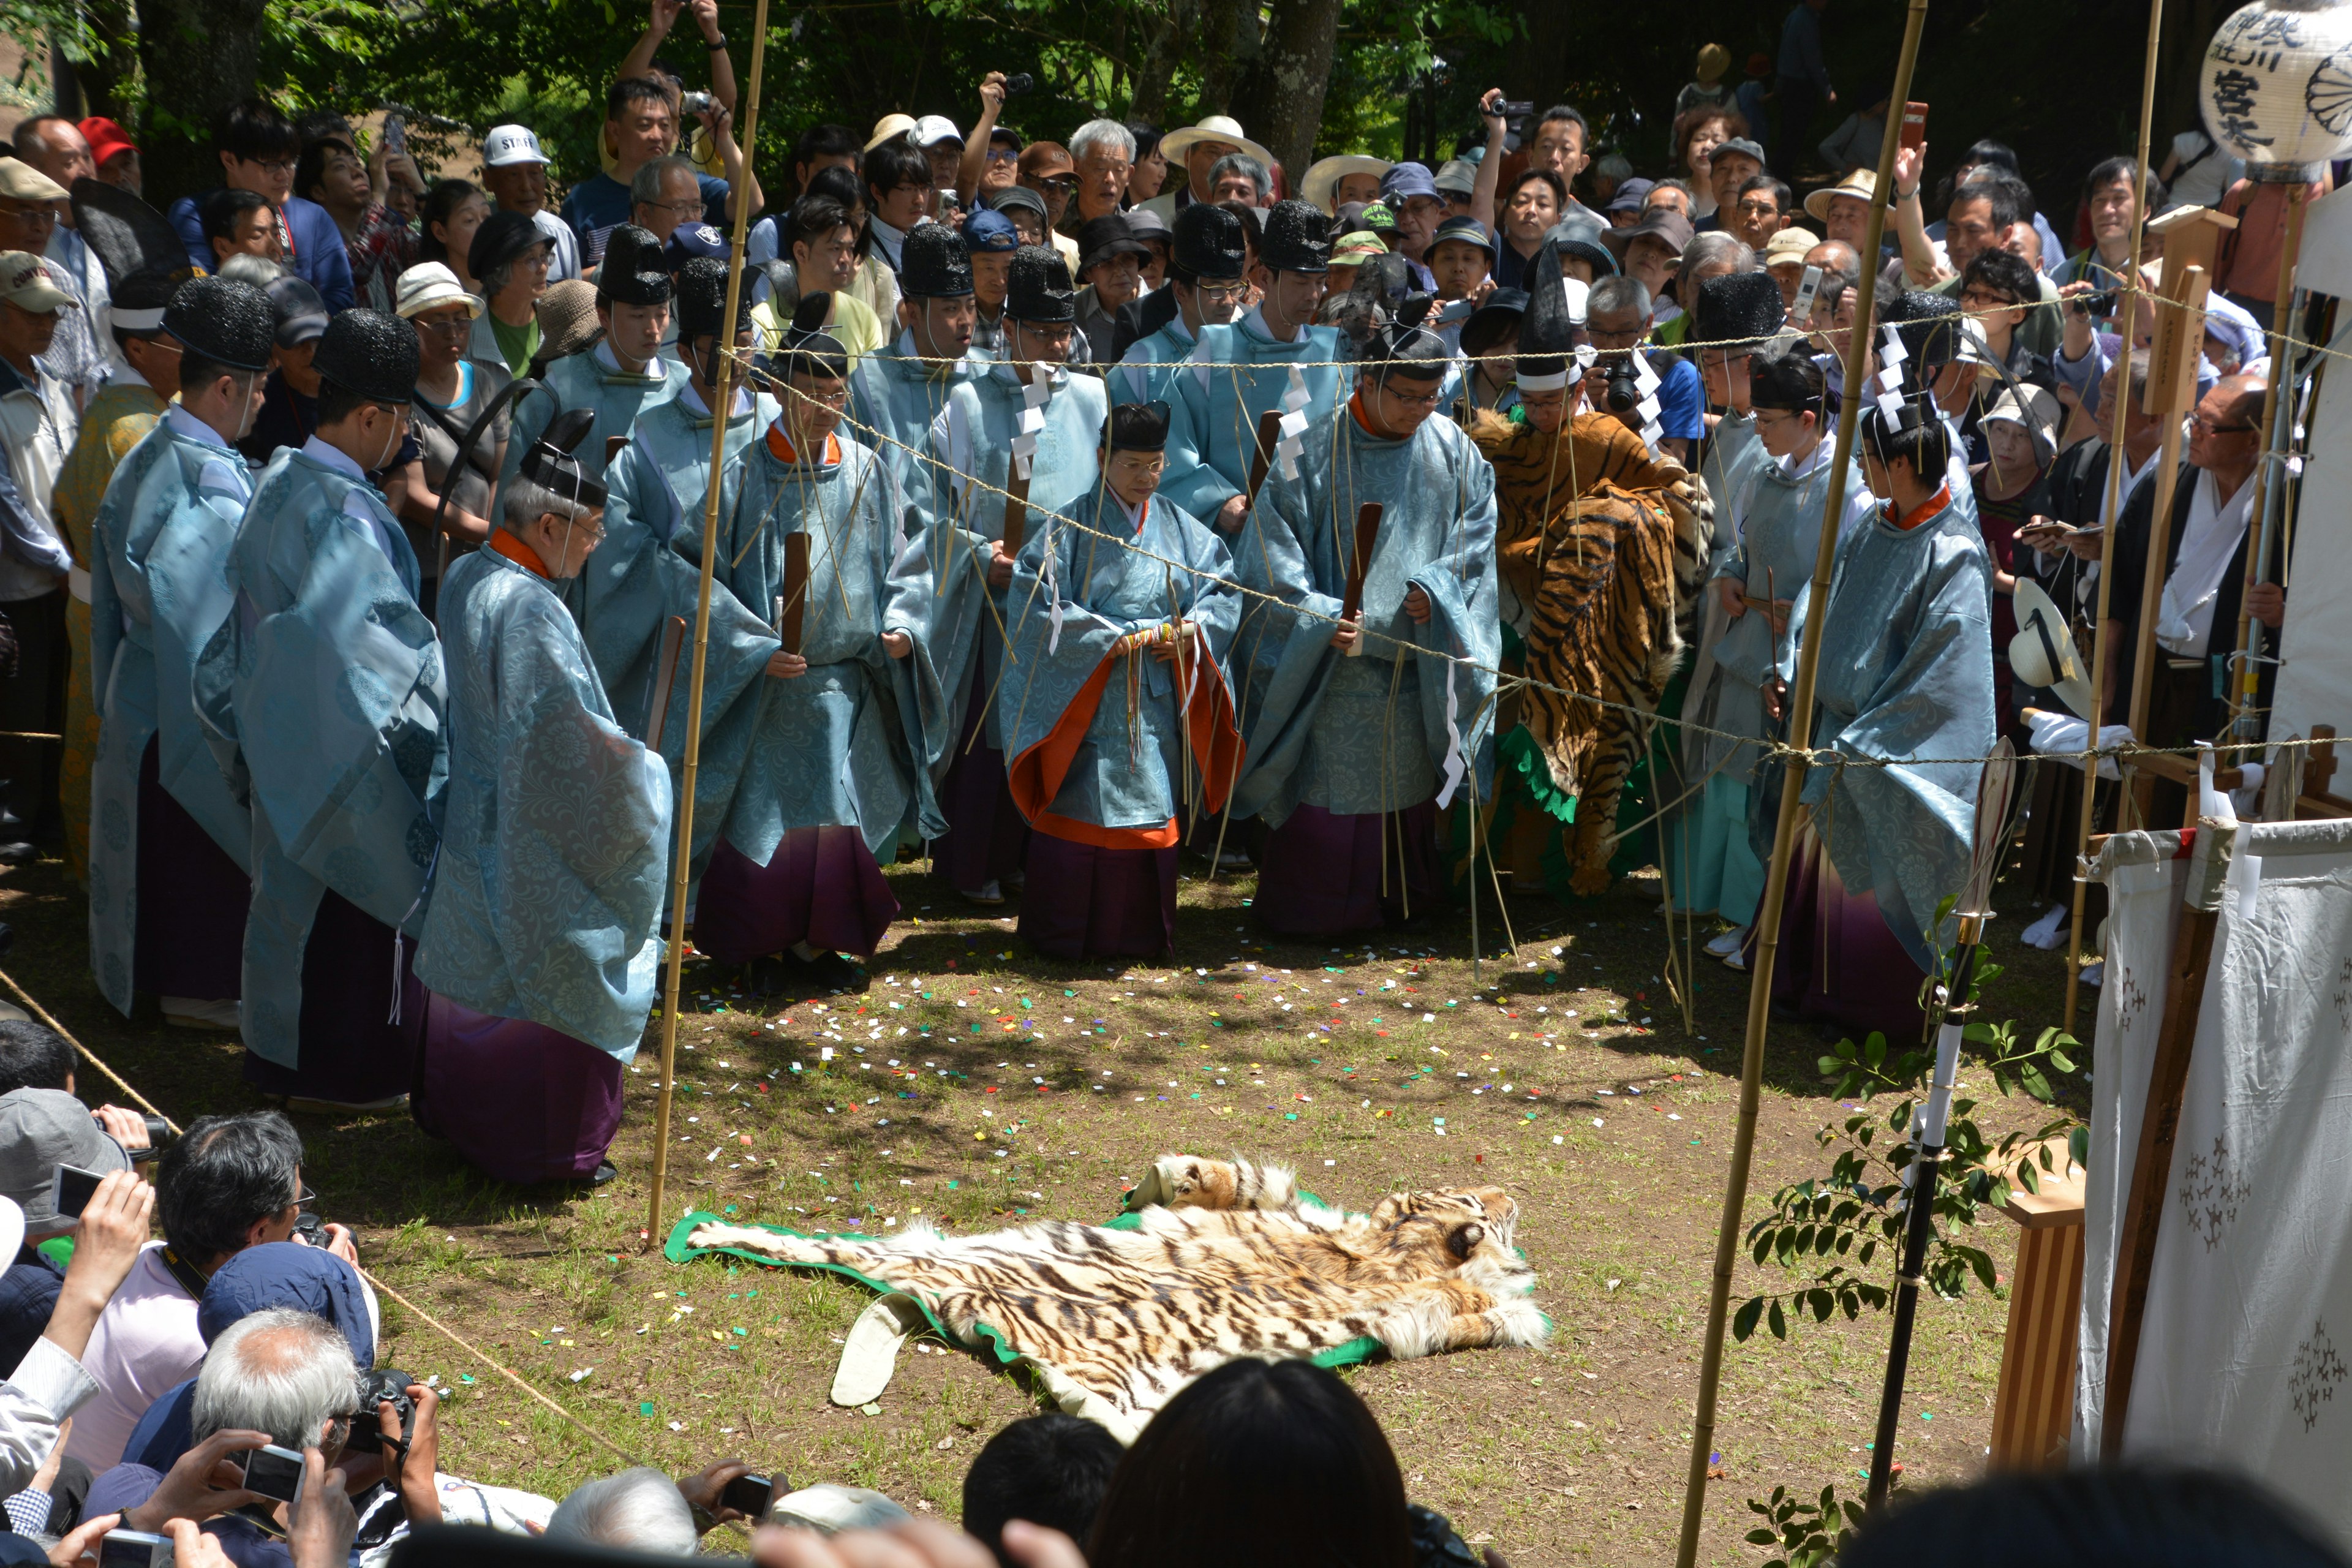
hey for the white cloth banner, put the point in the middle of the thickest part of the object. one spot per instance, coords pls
(2246, 1347)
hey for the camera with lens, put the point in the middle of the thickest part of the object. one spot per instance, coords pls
(1017, 84)
(1625, 386)
(692, 104)
(381, 1385)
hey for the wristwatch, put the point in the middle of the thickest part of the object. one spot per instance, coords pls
(717, 44)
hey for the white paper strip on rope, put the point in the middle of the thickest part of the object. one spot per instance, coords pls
(1293, 443)
(1645, 382)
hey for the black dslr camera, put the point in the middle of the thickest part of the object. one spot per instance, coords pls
(381, 1385)
(1625, 386)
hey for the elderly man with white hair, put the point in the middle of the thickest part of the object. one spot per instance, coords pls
(1104, 151)
(645, 1511)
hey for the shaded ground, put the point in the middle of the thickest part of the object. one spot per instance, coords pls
(976, 1084)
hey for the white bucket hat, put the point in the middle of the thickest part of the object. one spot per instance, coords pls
(430, 284)
(2042, 653)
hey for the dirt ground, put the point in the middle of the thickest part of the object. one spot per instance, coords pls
(975, 1083)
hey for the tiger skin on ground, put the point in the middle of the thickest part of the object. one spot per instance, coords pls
(1228, 1261)
(1606, 546)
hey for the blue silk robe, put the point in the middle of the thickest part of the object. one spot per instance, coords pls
(894, 395)
(829, 748)
(1124, 743)
(324, 686)
(1213, 437)
(588, 380)
(158, 589)
(1373, 733)
(1150, 365)
(555, 825)
(1905, 671)
(636, 582)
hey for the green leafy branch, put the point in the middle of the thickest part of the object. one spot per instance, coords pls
(1830, 1228)
(1809, 1531)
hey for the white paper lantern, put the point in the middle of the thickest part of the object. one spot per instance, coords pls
(2277, 83)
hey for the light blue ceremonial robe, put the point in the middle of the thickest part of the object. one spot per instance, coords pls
(940, 598)
(1213, 435)
(1373, 733)
(1150, 363)
(900, 397)
(1134, 768)
(829, 748)
(327, 682)
(1905, 671)
(635, 582)
(158, 588)
(555, 825)
(590, 379)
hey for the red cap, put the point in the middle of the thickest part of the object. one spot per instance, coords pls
(105, 138)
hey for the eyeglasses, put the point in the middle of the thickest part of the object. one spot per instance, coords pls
(682, 209)
(1985, 298)
(1221, 293)
(837, 398)
(2199, 422)
(1002, 155)
(1411, 400)
(447, 326)
(306, 1197)
(272, 166)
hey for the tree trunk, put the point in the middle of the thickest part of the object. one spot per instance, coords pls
(198, 57)
(106, 76)
(1228, 35)
(1294, 66)
(1157, 55)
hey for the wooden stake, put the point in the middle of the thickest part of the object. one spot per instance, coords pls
(1269, 431)
(2277, 419)
(723, 395)
(1776, 881)
(2099, 628)
(796, 578)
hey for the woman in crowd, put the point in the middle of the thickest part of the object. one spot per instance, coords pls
(1150, 169)
(453, 210)
(452, 391)
(508, 258)
(1697, 134)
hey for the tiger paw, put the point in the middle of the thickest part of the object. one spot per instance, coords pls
(1591, 878)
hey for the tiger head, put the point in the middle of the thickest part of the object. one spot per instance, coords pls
(1465, 1223)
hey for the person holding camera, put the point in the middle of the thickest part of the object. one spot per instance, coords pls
(230, 1183)
(1617, 313)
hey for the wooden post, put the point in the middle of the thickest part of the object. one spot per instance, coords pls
(2099, 628)
(723, 393)
(2151, 1181)
(1776, 880)
(2033, 1405)
(2270, 476)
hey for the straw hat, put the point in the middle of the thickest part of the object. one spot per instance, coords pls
(1861, 185)
(890, 125)
(1321, 184)
(2042, 653)
(1214, 128)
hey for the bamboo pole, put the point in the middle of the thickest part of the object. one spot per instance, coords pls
(724, 397)
(2277, 415)
(2107, 538)
(1776, 884)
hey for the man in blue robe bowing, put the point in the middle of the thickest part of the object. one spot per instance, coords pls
(898, 390)
(174, 842)
(635, 584)
(831, 777)
(1360, 728)
(324, 690)
(1208, 255)
(1274, 358)
(1116, 706)
(621, 373)
(539, 948)
(1023, 421)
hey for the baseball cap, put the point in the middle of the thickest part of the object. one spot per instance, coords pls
(1744, 148)
(1045, 161)
(1013, 196)
(1357, 248)
(41, 1129)
(933, 129)
(1631, 195)
(507, 146)
(1788, 245)
(688, 240)
(24, 281)
(302, 313)
(988, 230)
(106, 138)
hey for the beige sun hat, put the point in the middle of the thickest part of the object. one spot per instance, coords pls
(890, 125)
(1214, 128)
(2044, 654)
(1321, 182)
(1861, 185)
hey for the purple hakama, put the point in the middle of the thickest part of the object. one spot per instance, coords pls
(1085, 901)
(821, 886)
(1322, 873)
(351, 1053)
(1838, 962)
(522, 1102)
(192, 901)
(986, 840)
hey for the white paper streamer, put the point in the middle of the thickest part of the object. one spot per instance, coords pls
(1293, 444)
(1456, 763)
(1645, 382)
(1033, 398)
(1891, 358)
